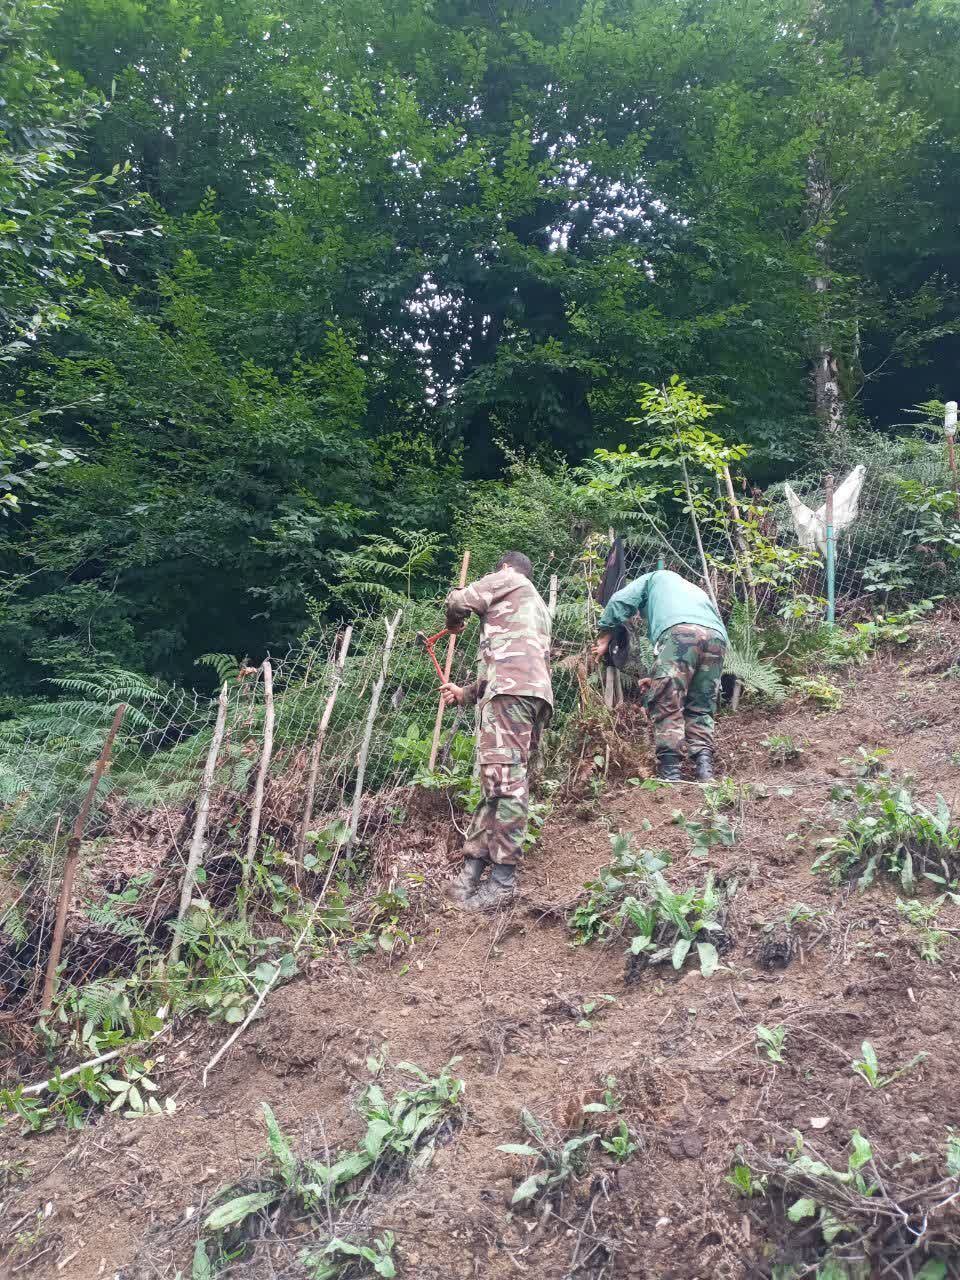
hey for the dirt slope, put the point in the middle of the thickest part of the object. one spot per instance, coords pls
(124, 1196)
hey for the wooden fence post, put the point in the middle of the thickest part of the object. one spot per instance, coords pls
(253, 836)
(367, 735)
(612, 684)
(318, 743)
(200, 822)
(447, 666)
(950, 429)
(73, 855)
(741, 540)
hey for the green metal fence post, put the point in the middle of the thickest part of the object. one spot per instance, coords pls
(831, 555)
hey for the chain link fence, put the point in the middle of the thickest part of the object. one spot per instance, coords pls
(334, 747)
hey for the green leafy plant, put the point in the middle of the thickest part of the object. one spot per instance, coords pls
(596, 914)
(818, 690)
(771, 1040)
(781, 748)
(385, 567)
(669, 924)
(922, 919)
(886, 577)
(590, 1009)
(744, 1183)
(401, 1134)
(890, 831)
(868, 1067)
(340, 1257)
(744, 660)
(134, 1091)
(723, 793)
(620, 1143)
(631, 899)
(705, 833)
(561, 1162)
(837, 1209)
(868, 762)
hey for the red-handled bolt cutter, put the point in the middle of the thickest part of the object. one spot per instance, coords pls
(426, 643)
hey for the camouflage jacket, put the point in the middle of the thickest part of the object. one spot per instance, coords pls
(514, 654)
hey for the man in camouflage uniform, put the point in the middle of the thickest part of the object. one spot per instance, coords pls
(515, 697)
(689, 641)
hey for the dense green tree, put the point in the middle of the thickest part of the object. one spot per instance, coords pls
(398, 243)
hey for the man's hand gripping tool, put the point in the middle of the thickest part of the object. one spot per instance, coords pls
(426, 643)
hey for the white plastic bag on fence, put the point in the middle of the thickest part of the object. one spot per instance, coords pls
(811, 526)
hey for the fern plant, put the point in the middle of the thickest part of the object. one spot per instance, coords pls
(385, 568)
(743, 660)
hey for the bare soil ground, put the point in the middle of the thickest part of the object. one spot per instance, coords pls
(123, 1198)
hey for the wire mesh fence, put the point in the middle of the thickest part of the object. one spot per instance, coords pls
(315, 749)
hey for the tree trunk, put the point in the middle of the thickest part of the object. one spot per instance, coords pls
(827, 395)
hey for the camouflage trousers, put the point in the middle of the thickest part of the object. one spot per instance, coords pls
(682, 697)
(510, 729)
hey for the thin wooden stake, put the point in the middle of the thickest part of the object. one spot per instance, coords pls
(447, 667)
(200, 822)
(73, 855)
(317, 748)
(707, 582)
(612, 684)
(950, 428)
(365, 744)
(253, 836)
(552, 601)
(741, 540)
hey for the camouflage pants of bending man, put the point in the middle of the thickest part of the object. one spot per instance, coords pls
(682, 698)
(510, 729)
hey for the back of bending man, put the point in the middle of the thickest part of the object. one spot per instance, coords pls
(515, 695)
(689, 641)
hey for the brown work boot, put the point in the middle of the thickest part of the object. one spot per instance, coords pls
(465, 885)
(491, 896)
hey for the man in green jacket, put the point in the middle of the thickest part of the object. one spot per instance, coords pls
(689, 641)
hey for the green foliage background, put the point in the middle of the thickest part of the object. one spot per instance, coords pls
(287, 276)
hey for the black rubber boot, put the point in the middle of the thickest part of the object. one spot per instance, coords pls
(497, 892)
(704, 764)
(668, 766)
(465, 885)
